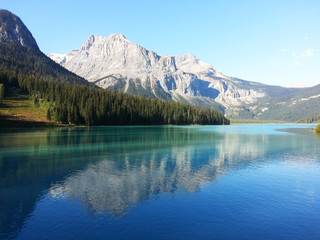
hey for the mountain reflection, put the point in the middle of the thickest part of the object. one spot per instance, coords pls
(110, 187)
(112, 169)
(121, 181)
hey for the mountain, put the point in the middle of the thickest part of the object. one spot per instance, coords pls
(116, 64)
(21, 56)
(24, 67)
(13, 29)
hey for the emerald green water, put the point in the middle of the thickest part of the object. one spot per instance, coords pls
(160, 182)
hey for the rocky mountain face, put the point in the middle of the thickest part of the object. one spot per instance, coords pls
(13, 29)
(116, 64)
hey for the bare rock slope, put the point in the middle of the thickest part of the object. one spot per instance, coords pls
(13, 29)
(116, 64)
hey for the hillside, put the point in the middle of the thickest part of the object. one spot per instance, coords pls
(19, 110)
(293, 107)
(21, 56)
(17, 60)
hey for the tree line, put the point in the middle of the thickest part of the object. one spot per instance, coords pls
(87, 105)
(310, 119)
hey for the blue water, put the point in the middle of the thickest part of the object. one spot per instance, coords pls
(193, 182)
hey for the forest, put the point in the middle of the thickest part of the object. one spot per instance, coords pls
(83, 104)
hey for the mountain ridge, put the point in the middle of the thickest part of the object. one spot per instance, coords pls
(182, 77)
(116, 64)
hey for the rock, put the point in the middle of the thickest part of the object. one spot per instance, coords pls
(13, 29)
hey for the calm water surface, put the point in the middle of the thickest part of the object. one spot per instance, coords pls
(197, 182)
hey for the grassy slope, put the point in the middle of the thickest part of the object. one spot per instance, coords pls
(254, 121)
(18, 110)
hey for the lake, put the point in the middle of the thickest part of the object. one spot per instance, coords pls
(160, 182)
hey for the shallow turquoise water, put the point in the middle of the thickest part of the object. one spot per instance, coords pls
(193, 182)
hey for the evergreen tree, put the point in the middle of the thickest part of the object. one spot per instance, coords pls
(1, 92)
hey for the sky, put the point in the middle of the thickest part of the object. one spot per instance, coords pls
(276, 42)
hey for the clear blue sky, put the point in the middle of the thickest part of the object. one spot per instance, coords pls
(272, 41)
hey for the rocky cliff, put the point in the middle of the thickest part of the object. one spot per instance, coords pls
(13, 29)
